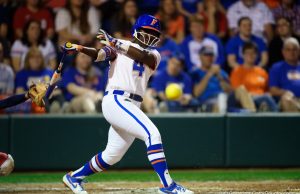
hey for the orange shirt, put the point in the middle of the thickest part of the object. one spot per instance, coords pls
(174, 26)
(271, 3)
(255, 79)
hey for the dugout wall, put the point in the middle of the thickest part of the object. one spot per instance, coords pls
(59, 142)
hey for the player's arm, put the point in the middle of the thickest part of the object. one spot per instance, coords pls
(105, 53)
(140, 55)
(13, 100)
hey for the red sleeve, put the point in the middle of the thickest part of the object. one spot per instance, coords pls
(181, 23)
(19, 18)
(223, 23)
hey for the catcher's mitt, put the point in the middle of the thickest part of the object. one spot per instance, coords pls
(37, 92)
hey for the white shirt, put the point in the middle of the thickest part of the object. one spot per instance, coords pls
(63, 20)
(20, 50)
(124, 74)
(260, 15)
(6, 79)
(195, 46)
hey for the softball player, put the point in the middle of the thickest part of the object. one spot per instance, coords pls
(131, 65)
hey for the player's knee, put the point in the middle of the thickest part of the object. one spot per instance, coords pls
(155, 138)
(111, 158)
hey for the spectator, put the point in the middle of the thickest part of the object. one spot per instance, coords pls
(289, 9)
(6, 77)
(7, 9)
(82, 86)
(236, 43)
(33, 10)
(258, 12)
(124, 20)
(33, 72)
(193, 43)
(188, 7)
(5, 44)
(170, 17)
(210, 82)
(173, 74)
(167, 49)
(253, 78)
(78, 22)
(33, 37)
(6, 32)
(284, 30)
(215, 21)
(272, 4)
(54, 5)
(285, 77)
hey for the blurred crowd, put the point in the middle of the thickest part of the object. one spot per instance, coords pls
(227, 55)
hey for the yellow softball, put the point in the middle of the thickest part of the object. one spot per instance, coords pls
(173, 91)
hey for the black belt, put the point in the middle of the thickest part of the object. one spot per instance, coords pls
(132, 96)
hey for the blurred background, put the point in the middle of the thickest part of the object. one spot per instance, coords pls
(237, 62)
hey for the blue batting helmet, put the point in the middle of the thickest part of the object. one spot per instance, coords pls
(147, 22)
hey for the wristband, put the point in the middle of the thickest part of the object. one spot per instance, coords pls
(110, 53)
(122, 47)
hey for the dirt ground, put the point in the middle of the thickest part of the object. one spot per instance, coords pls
(149, 187)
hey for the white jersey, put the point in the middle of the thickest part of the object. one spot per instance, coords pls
(129, 75)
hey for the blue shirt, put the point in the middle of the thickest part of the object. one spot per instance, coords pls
(162, 79)
(25, 78)
(190, 5)
(190, 48)
(213, 87)
(167, 50)
(285, 76)
(235, 46)
(72, 75)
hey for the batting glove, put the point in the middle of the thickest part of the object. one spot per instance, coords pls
(106, 39)
(70, 48)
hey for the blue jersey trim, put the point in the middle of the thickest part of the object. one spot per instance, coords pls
(134, 117)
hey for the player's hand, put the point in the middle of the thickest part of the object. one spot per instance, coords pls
(105, 38)
(70, 48)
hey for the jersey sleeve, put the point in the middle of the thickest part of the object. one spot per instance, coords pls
(157, 58)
